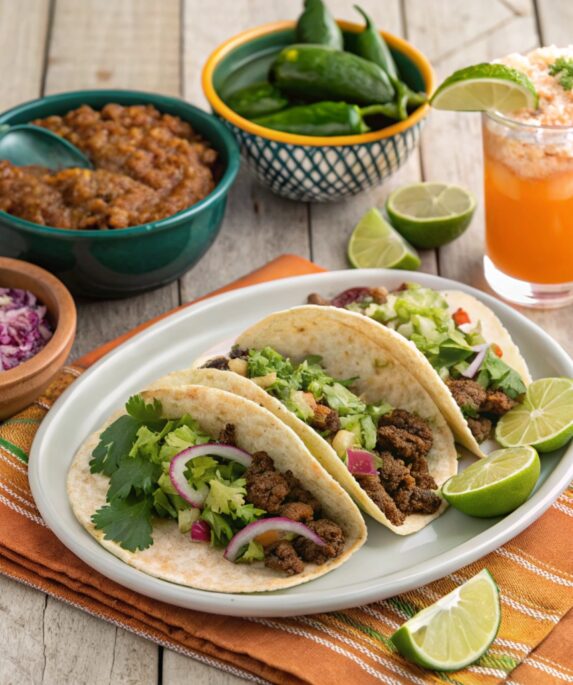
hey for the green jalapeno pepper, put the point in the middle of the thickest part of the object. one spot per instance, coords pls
(371, 45)
(318, 72)
(316, 25)
(325, 118)
(257, 100)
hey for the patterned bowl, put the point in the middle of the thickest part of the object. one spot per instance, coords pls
(308, 168)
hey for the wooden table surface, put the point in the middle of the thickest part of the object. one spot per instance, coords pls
(160, 45)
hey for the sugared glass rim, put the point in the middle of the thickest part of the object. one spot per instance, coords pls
(516, 123)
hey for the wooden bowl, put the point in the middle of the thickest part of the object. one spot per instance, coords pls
(21, 385)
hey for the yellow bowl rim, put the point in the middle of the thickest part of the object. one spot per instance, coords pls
(227, 113)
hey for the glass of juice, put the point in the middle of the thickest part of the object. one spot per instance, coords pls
(528, 185)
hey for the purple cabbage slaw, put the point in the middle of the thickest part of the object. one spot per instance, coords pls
(24, 327)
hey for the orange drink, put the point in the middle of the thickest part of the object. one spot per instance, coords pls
(528, 187)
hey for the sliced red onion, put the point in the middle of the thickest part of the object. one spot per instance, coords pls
(253, 530)
(200, 532)
(346, 297)
(361, 461)
(473, 368)
(179, 464)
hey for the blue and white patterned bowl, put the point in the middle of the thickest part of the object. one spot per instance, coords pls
(308, 168)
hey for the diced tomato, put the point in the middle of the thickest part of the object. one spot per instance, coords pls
(268, 538)
(496, 349)
(460, 317)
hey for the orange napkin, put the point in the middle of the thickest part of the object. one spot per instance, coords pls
(534, 572)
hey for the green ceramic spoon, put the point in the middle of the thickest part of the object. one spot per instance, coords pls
(25, 145)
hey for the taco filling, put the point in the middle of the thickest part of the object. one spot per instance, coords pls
(384, 447)
(219, 494)
(483, 385)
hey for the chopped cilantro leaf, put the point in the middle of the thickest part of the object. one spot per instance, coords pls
(142, 412)
(114, 442)
(495, 374)
(134, 474)
(127, 522)
(562, 69)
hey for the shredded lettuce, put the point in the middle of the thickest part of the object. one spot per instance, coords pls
(254, 551)
(422, 315)
(310, 377)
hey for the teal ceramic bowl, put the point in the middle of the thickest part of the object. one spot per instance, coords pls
(302, 167)
(121, 262)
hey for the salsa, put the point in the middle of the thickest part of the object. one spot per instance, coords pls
(148, 165)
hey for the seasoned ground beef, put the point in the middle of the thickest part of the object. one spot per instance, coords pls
(221, 363)
(315, 298)
(417, 501)
(375, 490)
(281, 556)
(394, 473)
(227, 435)
(326, 419)
(497, 403)
(404, 484)
(266, 488)
(472, 398)
(468, 394)
(421, 474)
(299, 494)
(238, 353)
(404, 434)
(480, 428)
(297, 511)
(147, 166)
(332, 535)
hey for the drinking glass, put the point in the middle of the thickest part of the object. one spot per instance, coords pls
(528, 186)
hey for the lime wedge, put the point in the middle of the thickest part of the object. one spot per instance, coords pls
(430, 214)
(495, 485)
(485, 88)
(544, 419)
(454, 631)
(375, 244)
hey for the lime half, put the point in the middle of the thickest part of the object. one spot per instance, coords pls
(456, 630)
(430, 214)
(544, 419)
(485, 88)
(375, 244)
(495, 485)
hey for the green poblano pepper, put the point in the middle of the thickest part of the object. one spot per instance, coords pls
(318, 72)
(317, 25)
(325, 119)
(257, 100)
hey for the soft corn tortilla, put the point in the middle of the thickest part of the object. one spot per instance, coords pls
(173, 557)
(339, 337)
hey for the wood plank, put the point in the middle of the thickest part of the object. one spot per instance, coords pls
(131, 44)
(332, 223)
(127, 44)
(23, 31)
(451, 146)
(257, 226)
(22, 630)
(555, 21)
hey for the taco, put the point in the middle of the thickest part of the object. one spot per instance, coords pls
(457, 348)
(360, 412)
(203, 488)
